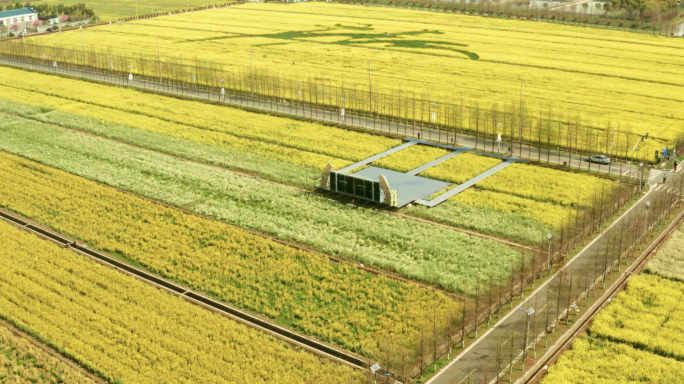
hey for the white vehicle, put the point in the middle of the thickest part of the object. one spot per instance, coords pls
(601, 159)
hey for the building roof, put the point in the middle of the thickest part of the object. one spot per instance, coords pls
(17, 12)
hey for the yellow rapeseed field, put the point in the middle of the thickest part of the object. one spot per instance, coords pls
(281, 138)
(592, 361)
(410, 158)
(549, 185)
(303, 290)
(461, 168)
(128, 331)
(23, 362)
(633, 80)
(545, 212)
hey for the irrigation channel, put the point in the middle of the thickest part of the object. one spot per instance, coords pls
(502, 351)
(196, 298)
(349, 119)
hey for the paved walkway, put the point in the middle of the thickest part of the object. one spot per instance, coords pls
(376, 157)
(478, 360)
(462, 187)
(372, 124)
(435, 162)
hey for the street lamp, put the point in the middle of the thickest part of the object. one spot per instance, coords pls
(344, 119)
(129, 12)
(612, 141)
(643, 137)
(299, 97)
(529, 313)
(251, 64)
(194, 76)
(130, 73)
(498, 137)
(152, 7)
(550, 236)
(648, 205)
(375, 368)
(111, 63)
(641, 171)
(223, 91)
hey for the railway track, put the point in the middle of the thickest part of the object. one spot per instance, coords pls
(236, 314)
(540, 368)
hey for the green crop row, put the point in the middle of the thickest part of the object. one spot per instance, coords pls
(300, 289)
(413, 249)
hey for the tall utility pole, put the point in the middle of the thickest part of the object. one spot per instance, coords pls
(251, 63)
(370, 86)
(521, 109)
(550, 236)
(159, 55)
(83, 46)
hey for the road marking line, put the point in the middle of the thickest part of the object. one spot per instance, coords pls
(536, 291)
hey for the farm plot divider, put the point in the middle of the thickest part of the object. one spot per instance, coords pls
(212, 304)
(315, 97)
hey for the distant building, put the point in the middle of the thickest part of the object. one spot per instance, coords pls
(24, 17)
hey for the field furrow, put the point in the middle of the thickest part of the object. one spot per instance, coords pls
(303, 290)
(127, 331)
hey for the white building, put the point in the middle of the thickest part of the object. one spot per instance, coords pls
(24, 17)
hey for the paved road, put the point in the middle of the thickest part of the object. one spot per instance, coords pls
(479, 360)
(375, 124)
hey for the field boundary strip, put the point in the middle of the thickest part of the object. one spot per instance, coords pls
(226, 310)
(47, 349)
(263, 179)
(275, 108)
(537, 371)
(551, 278)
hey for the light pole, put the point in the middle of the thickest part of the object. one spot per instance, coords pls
(129, 12)
(83, 45)
(433, 113)
(521, 109)
(152, 7)
(299, 96)
(612, 141)
(344, 118)
(130, 73)
(498, 137)
(375, 369)
(550, 236)
(530, 312)
(648, 205)
(223, 91)
(641, 171)
(643, 137)
(111, 63)
(136, 10)
(251, 64)
(370, 87)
